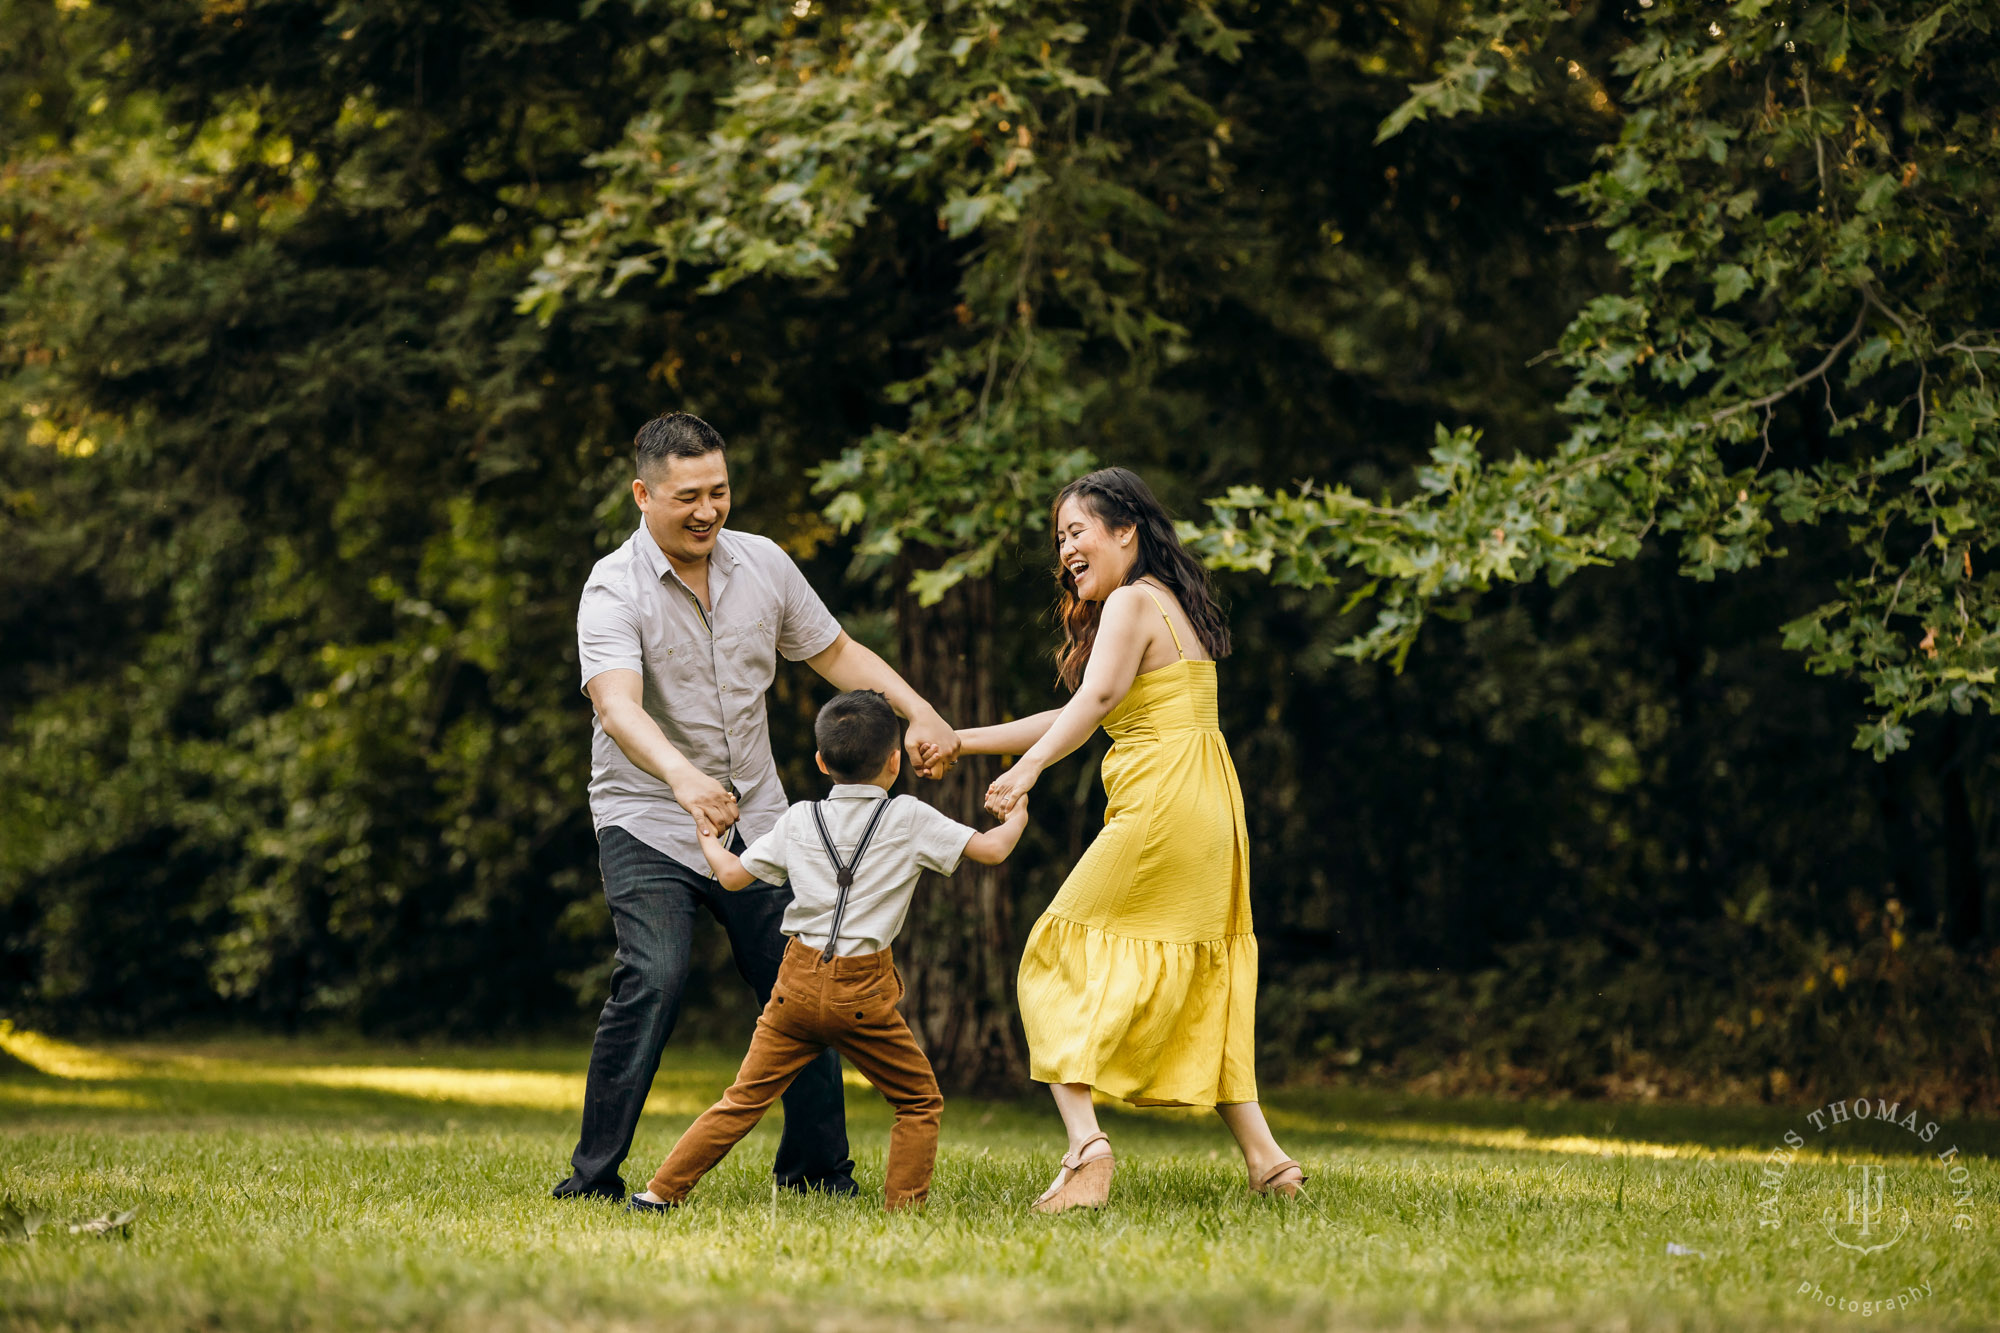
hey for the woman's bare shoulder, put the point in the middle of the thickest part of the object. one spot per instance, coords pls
(1130, 605)
(1155, 597)
(1130, 594)
(1127, 613)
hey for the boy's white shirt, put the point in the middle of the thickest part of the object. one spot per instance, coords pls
(912, 838)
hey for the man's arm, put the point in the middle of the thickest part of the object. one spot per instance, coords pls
(619, 695)
(847, 665)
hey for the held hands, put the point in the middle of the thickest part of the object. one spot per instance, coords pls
(728, 867)
(713, 808)
(933, 747)
(929, 761)
(1012, 787)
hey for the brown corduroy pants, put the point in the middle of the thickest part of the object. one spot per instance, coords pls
(850, 1005)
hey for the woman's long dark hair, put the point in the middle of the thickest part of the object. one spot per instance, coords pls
(1121, 500)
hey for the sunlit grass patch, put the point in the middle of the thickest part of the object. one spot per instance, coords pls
(417, 1076)
(41, 1095)
(64, 1059)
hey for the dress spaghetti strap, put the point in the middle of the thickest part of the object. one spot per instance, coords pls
(1170, 622)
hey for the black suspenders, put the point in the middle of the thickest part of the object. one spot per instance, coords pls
(844, 874)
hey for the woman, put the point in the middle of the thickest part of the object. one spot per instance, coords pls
(1141, 978)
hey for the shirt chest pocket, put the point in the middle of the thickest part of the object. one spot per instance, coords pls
(746, 654)
(676, 664)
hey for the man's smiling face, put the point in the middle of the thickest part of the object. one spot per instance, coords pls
(686, 502)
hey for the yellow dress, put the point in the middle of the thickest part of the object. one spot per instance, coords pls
(1141, 977)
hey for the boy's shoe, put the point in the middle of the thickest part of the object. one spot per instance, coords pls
(635, 1204)
(840, 1187)
(573, 1188)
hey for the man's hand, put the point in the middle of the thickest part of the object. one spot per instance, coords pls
(929, 763)
(704, 798)
(932, 745)
(847, 665)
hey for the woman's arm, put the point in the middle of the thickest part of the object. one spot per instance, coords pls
(1008, 737)
(1114, 665)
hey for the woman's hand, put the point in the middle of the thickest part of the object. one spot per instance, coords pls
(1007, 789)
(934, 761)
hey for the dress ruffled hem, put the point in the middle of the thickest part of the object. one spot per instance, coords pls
(1151, 1022)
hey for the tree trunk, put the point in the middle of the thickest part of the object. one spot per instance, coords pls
(957, 951)
(1964, 886)
(1909, 860)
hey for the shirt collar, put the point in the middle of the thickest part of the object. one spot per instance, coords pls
(866, 791)
(721, 557)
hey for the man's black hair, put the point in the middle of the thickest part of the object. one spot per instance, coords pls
(857, 733)
(672, 435)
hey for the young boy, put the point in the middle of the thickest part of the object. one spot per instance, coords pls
(852, 861)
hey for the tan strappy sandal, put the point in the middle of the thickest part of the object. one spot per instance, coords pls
(1268, 1183)
(1088, 1184)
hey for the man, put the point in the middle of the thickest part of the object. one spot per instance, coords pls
(678, 635)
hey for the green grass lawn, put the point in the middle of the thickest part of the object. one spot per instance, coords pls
(321, 1185)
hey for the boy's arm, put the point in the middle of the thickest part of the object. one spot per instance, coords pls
(727, 865)
(993, 846)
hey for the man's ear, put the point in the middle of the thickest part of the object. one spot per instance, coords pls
(639, 495)
(820, 759)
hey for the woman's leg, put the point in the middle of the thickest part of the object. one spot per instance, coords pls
(1253, 1135)
(1079, 1115)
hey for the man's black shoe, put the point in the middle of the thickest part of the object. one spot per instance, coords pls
(840, 1187)
(573, 1188)
(635, 1204)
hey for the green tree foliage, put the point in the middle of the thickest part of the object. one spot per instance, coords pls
(1797, 199)
(280, 465)
(1074, 168)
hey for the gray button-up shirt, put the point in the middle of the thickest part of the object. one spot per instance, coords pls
(705, 676)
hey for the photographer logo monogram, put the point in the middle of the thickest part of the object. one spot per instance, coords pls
(1865, 1212)
(1867, 1228)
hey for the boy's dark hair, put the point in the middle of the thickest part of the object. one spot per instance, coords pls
(857, 733)
(672, 435)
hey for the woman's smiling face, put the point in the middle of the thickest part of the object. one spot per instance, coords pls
(1096, 557)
